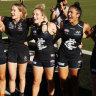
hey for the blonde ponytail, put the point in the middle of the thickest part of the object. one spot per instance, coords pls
(41, 7)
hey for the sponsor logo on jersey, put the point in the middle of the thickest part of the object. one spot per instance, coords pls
(20, 27)
(11, 26)
(52, 62)
(77, 33)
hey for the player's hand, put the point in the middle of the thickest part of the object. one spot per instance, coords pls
(26, 43)
(80, 46)
(62, 7)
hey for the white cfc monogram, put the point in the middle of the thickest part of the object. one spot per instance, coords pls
(70, 44)
(40, 44)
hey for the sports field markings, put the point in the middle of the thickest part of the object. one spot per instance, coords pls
(87, 52)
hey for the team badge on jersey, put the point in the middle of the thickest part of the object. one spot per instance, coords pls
(40, 44)
(70, 44)
(66, 30)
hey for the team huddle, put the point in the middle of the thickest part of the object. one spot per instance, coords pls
(65, 28)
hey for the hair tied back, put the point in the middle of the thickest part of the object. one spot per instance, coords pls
(40, 6)
(77, 4)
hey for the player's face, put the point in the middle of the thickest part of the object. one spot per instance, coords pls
(38, 16)
(73, 15)
(15, 13)
(64, 2)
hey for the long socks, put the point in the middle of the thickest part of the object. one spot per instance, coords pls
(13, 94)
(21, 94)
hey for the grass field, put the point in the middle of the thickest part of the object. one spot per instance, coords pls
(89, 15)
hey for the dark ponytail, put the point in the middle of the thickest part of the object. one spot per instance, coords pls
(77, 6)
(21, 2)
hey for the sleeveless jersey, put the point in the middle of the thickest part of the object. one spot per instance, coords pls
(17, 33)
(94, 50)
(0, 37)
(44, 43)
(71, 39)
(2, 53)
(1, 43)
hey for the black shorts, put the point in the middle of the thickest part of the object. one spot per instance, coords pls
(93, 64)
(2, 57)
(71, 63)
(18, 55)
(45, 64)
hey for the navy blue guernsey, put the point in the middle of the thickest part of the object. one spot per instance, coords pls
(1, 43)
(71, 39)
(44, 43)
(0, 37)
(17, 33)
(94, 50)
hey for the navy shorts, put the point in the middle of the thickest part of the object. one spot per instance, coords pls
(18, 55)
(2, 57)
(71, 63)
(44, 59)
(45, 64)
(93, 64)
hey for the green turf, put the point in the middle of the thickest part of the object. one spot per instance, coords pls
(88, 7)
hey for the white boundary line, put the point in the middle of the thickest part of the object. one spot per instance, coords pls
(87, 52)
